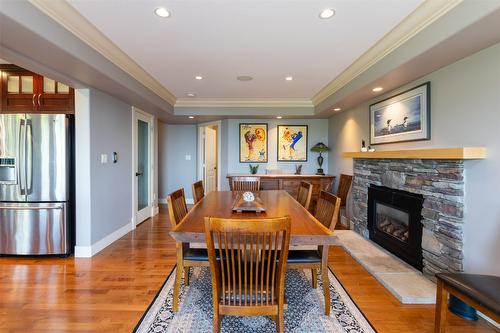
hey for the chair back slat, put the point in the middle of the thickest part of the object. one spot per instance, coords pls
(344, 187)
(253, 254)
(177, 207)
(245, 184)
(327, 209)
(198, 191)
(304, 194)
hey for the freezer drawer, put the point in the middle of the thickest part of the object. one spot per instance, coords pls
(33, 228)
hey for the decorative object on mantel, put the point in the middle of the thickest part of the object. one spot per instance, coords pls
(463, 153)
(292, 143)
(363, 146)
(320, 148)
(370, 149)
(298, 169)
(402, 117)
(253, 169)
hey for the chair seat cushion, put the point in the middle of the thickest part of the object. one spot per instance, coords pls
(483, 289)
(301, 256)
(195, 254)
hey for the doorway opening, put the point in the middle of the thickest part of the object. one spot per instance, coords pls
(209, 155)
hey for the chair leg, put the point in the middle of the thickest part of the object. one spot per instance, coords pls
(186, 276)
(217, 321)
(314, 274)
(441, 308)
(325, 280)
(178, 277)
(280, 323)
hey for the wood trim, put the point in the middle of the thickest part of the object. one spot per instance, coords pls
(464, 153)
(244, 103)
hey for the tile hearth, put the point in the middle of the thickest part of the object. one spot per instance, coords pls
(407, 284)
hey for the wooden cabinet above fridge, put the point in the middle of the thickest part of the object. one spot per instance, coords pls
(23, 91)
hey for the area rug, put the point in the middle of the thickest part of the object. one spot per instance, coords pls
(305, 311)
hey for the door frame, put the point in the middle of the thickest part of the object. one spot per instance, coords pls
(201, 146)
(138, 114)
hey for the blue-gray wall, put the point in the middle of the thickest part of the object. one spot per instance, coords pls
(465, 111)
(174, 143)
(111, 184)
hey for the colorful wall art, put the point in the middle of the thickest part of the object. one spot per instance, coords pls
(253, 143)
(292, 143)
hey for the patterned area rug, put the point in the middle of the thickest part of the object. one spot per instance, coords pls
(304, 314)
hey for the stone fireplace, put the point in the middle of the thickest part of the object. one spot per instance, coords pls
(440, 184)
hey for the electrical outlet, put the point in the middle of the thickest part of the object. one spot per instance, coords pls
(188, 157)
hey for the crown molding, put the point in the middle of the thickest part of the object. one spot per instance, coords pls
(244, 103)
(423, 16)
(69, 18)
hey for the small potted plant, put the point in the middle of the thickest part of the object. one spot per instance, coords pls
(253, 169)
(320, 148)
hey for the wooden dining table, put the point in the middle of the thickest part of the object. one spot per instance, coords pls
(305, 228)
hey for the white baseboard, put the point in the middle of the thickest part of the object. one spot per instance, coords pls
(156, 210)
(89, 251)
(189, 201)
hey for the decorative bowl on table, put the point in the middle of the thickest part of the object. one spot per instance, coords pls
(248, 202)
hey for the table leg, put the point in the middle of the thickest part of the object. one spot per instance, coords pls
(441, 307)
(325, 280)
(178, 276)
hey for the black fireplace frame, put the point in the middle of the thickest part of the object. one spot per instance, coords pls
(412, 204)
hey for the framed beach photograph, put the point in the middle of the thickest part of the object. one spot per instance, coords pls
(292, 143)
(403, 117)
(253, 143)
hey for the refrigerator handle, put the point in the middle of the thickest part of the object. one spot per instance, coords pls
(29, 156)
(21, 172)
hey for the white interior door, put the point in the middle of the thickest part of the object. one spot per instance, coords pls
(143, 160)
(210, 158)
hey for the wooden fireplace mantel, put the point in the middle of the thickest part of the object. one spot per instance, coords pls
(463, 153)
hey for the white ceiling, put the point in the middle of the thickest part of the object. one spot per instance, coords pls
(268, 40)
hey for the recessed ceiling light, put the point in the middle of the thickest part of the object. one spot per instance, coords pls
(337, 109)
(327, 13)
(191, 117)
(162, 12)
(376, 89)
(244, 78)
(198, 77)
(190, 94)
(289, 78)
(279, 117)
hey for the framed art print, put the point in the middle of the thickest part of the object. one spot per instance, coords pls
(292, 143)
(253, 143)
(403, 117)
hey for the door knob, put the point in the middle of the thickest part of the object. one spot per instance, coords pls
(137, 174)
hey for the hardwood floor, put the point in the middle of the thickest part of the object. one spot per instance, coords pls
(110, 292)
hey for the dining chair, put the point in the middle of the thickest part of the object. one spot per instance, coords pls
(342, 192)
(198, 191)
(327, 209)
(186, 257)
(248, 279)
(245, 184)
(304, 194)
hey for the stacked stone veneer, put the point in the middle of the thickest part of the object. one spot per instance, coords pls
(441, 182)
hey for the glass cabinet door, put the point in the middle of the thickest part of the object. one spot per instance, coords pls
(19, 91)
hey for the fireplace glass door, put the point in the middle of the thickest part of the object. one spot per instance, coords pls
(392, 221)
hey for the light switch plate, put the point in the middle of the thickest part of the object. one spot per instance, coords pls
(188, 157)
(104, 158)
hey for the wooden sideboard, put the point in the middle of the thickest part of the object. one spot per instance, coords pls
(290, 183)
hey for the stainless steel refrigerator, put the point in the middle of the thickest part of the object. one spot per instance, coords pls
(34, 184)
